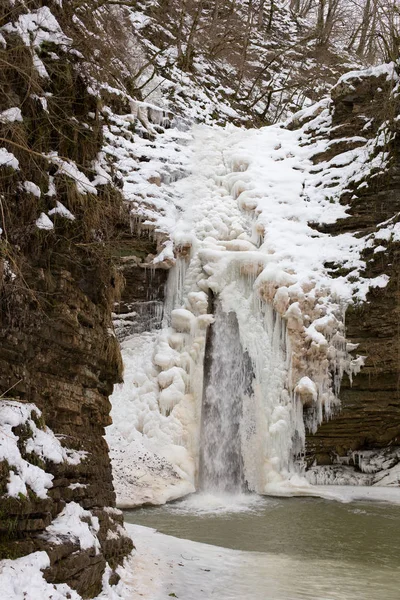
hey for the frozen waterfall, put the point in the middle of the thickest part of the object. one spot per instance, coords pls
(220, 397)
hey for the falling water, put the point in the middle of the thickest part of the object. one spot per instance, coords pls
(228, 382)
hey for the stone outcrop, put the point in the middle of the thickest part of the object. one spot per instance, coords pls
(370, 414)
(141, 305)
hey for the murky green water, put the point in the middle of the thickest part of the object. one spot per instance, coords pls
(299, 527)
(355, 545)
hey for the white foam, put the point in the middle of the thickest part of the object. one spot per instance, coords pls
(204, 503)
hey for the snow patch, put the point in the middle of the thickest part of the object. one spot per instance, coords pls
(7, 159)
(77, 524)
(43, 222)
(41, 442)
(11, 115)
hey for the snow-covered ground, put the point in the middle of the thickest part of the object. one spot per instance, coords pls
(242, 223)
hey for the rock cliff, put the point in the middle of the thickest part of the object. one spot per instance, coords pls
(369, 419)
(59, 357)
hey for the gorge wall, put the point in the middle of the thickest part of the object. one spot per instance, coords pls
(59, 357)
(369, 418)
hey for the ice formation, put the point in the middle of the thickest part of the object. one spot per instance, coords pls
(374, 468)
(242, 223)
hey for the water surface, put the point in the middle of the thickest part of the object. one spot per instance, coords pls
(297, 548)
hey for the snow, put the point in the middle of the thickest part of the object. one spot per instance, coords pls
(76, 486)
(52, 188)
(38, 26)
(102, 177)
(77, 524)
(43, 222)
(147, 167)
(11, 115)
(61, 210)
(386, 69)
(32, 188)
(42, 100)
(69, 168)
(22, 473)
(39, 66)
(22, 579)
(42, 443)
(7, 159)
(35, 28)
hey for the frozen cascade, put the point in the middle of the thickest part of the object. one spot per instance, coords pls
(242, 235)
(228, 384)
(272, 427)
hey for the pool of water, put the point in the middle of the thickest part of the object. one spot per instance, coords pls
(299, 547)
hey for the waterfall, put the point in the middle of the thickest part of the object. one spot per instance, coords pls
(226, 390)
(228, 382)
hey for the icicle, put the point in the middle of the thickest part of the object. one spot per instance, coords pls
(174, 289)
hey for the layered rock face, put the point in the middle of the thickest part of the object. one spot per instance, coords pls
(59, 357)
(64, 361)
(142, 301)
(370, 414)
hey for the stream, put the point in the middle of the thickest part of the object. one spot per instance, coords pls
(262, 548)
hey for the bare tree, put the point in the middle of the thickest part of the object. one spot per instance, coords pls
(327, 14)
(368, 12)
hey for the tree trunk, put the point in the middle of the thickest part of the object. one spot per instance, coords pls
(365, 24)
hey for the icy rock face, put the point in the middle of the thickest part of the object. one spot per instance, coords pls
(364, 467)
